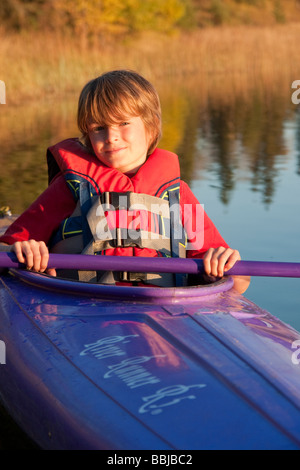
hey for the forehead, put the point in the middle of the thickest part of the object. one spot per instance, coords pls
(109, 120)
(137, 121)
(111, 113)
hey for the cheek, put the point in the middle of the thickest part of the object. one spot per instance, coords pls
(94, 142)
(144, 135)
(149, 139)
(87, 141)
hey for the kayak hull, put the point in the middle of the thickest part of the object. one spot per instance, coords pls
(146, 368)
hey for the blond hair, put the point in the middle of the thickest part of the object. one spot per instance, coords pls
(116, 95)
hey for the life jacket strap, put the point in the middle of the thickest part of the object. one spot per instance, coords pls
(168, 239)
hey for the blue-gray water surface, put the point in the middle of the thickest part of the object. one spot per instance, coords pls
(262, 228)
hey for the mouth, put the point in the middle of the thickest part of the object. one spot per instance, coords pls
(113, 150)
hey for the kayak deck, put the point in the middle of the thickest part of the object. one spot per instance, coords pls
(196, 368)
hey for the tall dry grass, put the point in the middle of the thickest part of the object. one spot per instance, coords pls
(219, 61)
(237, 76)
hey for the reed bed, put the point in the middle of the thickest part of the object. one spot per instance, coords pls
(219, 61)
(239, 76)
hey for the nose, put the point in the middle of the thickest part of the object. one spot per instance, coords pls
(112, 134)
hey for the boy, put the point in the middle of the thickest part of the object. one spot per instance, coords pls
(100, 183)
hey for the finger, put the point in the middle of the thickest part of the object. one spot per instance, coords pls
(207, 278)
(34, 254)
(44, 256)
(218, 261)
(25, 252)
(51, 272)
(223, 257)
(17, 249)
(234, 257)
(40, 255)
(207, 261)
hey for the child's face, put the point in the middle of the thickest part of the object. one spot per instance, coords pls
(122, 146)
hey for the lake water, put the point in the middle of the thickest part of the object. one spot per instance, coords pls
(263, 224)
(241, 157)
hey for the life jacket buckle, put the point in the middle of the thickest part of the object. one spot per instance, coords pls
(119, 201)
(121, 241)
(126, 276)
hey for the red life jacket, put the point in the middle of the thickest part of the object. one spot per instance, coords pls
(89, 180)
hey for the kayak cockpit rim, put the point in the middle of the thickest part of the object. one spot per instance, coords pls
(188, 294)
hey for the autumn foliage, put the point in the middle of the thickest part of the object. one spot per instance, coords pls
(94, 17)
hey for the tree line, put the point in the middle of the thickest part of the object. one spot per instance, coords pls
(130, 16)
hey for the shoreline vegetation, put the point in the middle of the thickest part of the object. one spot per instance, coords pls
(221, 60)
(50, 48)
(232, 81)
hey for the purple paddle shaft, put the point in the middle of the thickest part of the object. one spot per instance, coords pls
(141, 264)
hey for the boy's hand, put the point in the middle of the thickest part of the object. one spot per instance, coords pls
(34, 254)
(216, 261)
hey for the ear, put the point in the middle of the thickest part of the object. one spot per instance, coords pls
(85, 141)
(150, 140)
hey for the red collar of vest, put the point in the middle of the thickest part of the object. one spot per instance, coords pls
(160, 171)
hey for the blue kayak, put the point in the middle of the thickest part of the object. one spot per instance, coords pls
(91, 366)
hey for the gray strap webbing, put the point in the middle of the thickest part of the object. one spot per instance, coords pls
(104, 239)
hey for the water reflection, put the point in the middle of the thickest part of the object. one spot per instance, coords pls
(26, 132)
(240, 137)
(298, 140)
(227, 137)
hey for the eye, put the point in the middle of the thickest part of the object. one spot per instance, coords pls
(97, 129)
(125, 123)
